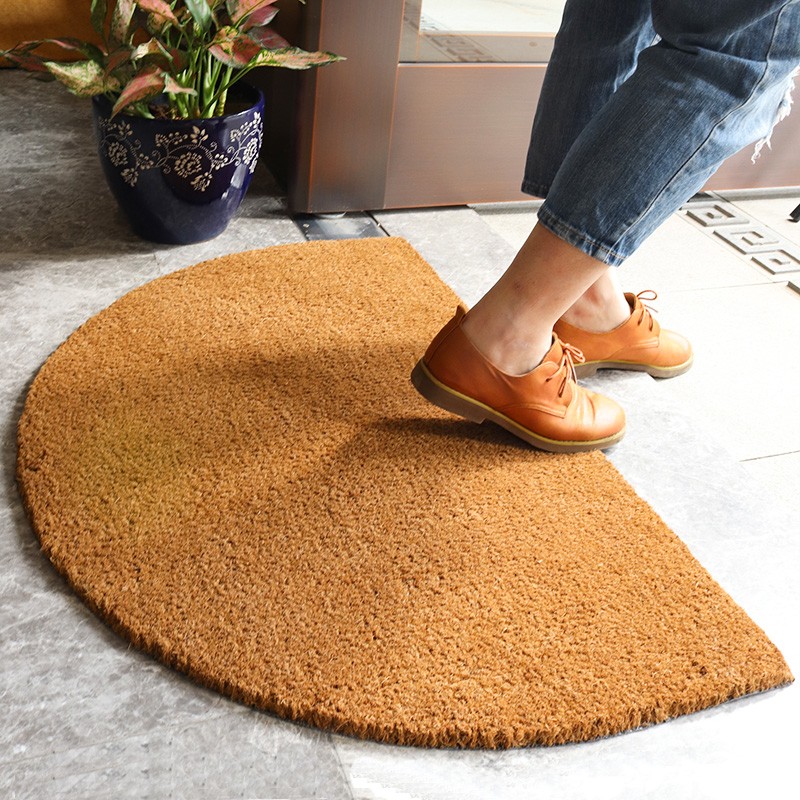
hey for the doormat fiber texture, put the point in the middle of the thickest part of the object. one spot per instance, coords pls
(231, 468)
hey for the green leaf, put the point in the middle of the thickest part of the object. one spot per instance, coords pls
(98, 15)
(201, 14)
(83, 78)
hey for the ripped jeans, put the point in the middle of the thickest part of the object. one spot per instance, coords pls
(643, 100)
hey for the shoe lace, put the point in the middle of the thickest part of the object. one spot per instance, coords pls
(647, 312)
(566, 366)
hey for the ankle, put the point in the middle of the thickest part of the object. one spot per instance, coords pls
(513, 350)
(598, 311)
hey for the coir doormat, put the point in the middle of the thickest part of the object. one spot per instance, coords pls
(230, 467)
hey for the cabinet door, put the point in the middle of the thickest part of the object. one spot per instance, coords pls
(434, 106)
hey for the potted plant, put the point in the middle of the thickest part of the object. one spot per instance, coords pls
(178, 135)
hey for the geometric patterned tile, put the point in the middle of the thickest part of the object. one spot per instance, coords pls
(753, 239)
(711, 214)
(779, 261)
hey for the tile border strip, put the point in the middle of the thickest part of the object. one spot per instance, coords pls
(767, 249)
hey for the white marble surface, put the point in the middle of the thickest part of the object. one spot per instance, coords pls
(743, 321)
(778, 475)
(744, 386)
(495, 16)
(85, 716)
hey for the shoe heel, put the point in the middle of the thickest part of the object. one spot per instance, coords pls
(436, 393)
(585, 370)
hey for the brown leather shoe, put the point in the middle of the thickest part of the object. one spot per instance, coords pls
(545, 407)
(639, 343)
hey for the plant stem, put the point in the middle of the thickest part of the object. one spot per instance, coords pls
(223, 96)
(209, 81)
(226, 83)
(140, 109)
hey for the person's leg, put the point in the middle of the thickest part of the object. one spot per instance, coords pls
(503, 363)
(512, 325)
(595, 50)
(707, 88)
(701, 39)
(484, 365)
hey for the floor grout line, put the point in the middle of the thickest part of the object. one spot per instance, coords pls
(756, 285)
(770, 455)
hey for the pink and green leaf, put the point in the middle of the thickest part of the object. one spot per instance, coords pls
(232, 48)
(117, 58)
(25, 60)
(239, 50)
(98, 15)
(154, 52)
(173, 87)
(152, 47)
(147, 83)
(69, 45)
(121, 21)
(155, 24)
(293, 58)
(161, 12)
(256, 19)
(240, 10)
(267, 38)
(83, 78)
(253, 12)
(177, 59)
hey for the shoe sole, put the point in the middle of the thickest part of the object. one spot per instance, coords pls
(589, 368)
(434, 391)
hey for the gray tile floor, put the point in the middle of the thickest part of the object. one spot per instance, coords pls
(716, 452)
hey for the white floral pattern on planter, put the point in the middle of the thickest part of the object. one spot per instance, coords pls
(190, 155)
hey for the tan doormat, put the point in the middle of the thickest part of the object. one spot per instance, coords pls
(231, 468)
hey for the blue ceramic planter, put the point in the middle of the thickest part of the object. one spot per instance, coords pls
(179, 181)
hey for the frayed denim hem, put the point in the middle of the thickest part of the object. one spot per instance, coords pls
(783, 111)
(579, 239)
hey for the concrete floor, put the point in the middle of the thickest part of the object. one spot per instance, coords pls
(716, 452)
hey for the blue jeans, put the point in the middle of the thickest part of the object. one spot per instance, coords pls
(643, 100)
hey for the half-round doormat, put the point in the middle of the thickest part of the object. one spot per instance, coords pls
(230, 467)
